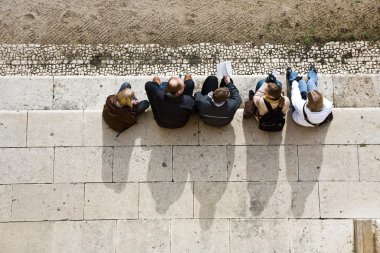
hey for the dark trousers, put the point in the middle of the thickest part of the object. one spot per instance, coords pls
(211, 84)
(141, 106)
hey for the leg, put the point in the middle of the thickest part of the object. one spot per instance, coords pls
(313, 81)
(141, 107)
(259, 84)
(189, 87)
(210, 84)
(151, 89)
(125, 86)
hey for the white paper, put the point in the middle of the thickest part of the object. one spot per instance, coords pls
(224, 69)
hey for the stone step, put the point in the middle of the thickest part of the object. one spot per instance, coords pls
(50, 128)
(90, 92)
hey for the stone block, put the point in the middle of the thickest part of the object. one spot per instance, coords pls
(369, 162)
(84, 236)
(187, 135)
(262, 163)
(199, 163)
(20, 237)
(83, 164)
(55, 128)
(79, 93)
(321, 236)
(5, 203)
(97, 133)
(166, 200)
(36, 202)
(26, 165)
(143, 236)
(326, 86)
(13, 129)
(190, 236)
(256, 200)
(349, 199)
(328, 163)
(137, 84)
(357, 90)
(142, 164)
(111, 201)
(26, 93)
(259, 236)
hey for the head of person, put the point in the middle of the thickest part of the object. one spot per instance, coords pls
(125, 97)
(274, 92)
(315, 101)
(221, 94)
(175, 86)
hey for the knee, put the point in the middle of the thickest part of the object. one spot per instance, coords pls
(126, 85)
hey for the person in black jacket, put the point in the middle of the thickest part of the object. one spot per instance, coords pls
(172, 102)
(217, 106)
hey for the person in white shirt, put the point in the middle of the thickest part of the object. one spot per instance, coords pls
(310, 108)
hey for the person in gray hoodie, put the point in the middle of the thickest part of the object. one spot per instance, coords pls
(217, 106)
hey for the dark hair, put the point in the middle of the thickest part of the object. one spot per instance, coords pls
(271, 79)
(274, 90)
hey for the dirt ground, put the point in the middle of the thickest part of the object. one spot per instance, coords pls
(179, 22)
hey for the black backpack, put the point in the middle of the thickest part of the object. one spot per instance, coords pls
(273, 120)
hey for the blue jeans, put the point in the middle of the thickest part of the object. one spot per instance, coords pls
(260, 83)
(141, 106)
(308, 86)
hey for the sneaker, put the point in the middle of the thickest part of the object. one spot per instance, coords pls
(312, 68)
(304, 95)
(298, 78)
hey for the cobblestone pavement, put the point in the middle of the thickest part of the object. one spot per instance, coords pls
(68, 185)
(200, 59)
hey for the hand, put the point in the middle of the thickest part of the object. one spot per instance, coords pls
(187, 77)
(227, 79)
(156, 79)
(135, 102)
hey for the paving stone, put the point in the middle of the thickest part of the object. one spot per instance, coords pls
(322, 236)
(199, 163)
(187, 135)
(143, 236)
(85, 236)
(356, 90)
(26, 93)
(194, 238)
(369, 162)
(5, 203)
(256, 200)
(326, 86)
(349, 199)
(166, 200)
(141, 164)
(26, 165)
(328, 162)
(13, 124)
(76, 93)
(97, 133)
(259, 236)
(20, 237)
(262, 163)
(36, 202)
(55, 128)
(111, 201)
(83, 164)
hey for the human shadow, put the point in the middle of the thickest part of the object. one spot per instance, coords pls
(309, 142)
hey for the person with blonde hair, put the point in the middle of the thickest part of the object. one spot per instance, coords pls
(121, 110)
(267, 104)
(310, 108)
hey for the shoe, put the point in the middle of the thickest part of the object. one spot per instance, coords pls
(304, 95)
(250, 94)
(312, 68)
(288, 72)
(298, 78)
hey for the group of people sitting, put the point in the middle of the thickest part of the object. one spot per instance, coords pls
(173, 102)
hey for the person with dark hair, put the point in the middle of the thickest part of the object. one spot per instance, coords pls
(217, 106)
(121, 110)
(172, 102)
(310, 108)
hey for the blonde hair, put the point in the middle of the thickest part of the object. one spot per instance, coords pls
(125, 97)
(315, 101)
(274, 90)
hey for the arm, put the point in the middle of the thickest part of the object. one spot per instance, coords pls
(258, 97)
(151, 89)
(234, 96)
(297, 100)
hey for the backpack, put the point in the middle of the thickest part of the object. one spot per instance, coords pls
(273, 120)
(326, 120)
